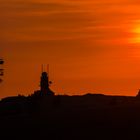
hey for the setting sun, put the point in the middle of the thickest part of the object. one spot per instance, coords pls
(135, 32)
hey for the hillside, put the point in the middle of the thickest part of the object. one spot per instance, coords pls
(91, 116)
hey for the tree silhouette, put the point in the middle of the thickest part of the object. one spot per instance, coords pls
(1, 69)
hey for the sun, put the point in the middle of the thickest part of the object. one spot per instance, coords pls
(135, 32)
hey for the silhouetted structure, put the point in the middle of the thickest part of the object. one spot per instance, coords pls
(1, 69)
(44, 85)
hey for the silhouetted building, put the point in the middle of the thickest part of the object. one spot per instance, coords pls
(44, 85)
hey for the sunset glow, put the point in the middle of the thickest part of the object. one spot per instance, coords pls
(135, 31)
(91, 46)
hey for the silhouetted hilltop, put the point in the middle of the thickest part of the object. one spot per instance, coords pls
(37, 103)
(44, 100)
(70, 117)
(44, 115)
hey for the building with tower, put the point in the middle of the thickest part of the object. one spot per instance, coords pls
(45, 85)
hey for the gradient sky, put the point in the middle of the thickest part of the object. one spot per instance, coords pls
(91, 46)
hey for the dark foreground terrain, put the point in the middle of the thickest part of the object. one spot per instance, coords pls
(89, 117)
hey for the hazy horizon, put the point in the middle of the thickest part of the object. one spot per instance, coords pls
(91, 46)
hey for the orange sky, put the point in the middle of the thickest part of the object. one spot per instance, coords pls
(91, 46)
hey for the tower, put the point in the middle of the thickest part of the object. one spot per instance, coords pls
(45, 83)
